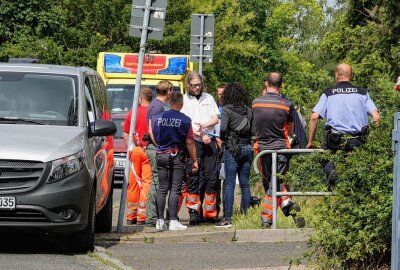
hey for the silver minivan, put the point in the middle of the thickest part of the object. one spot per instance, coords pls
(56, 152)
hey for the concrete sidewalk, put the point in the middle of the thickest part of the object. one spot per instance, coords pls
(208, 233)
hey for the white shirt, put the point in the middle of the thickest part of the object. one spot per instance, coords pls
(200, 111)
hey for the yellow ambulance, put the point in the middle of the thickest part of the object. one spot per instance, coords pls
(118, 71)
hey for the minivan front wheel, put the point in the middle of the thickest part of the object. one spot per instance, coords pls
(83, 241)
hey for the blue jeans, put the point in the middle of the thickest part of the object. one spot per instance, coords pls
(241, 166)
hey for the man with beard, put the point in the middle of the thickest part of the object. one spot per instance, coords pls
(202, 186)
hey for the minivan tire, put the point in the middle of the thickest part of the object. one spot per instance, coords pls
(83, 241)
(104, 217)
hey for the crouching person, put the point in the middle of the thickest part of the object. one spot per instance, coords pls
(171, 130)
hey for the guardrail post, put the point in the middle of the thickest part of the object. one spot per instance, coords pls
(275, 193)
(274, 187)
(396, 193)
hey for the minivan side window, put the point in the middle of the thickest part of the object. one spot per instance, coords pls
(100, 97)
(89, 104)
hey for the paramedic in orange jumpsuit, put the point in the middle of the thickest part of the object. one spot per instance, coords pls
(140, 170)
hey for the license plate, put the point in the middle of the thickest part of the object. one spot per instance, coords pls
(7, 203)
(120, 163)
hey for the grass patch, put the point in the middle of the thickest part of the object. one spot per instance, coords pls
(252, 219)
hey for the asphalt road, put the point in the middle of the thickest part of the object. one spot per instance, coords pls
(40, 252)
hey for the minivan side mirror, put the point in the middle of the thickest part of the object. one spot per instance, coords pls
(103, 128)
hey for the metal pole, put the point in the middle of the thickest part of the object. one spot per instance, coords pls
(201, 44)
(273, 179)
(282, 151)
(310, 193)
(395, 264)
(135, 103)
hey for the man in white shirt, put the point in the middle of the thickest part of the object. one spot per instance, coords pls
(202, 186)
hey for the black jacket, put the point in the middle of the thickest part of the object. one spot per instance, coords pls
(231, 117)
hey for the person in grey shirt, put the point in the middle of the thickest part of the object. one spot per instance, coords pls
(164, 90)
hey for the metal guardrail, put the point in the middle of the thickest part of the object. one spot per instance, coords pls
(276, 194)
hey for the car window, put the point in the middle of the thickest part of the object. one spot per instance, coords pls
(100, 97)
(89, 104)
(47, 98)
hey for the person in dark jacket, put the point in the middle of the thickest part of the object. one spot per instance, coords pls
(236, 121)
(273, 122)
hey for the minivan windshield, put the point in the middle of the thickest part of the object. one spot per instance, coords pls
(29, 98)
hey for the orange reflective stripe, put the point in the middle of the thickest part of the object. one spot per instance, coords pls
(286, 134)
(266, 218)
(266, 211)
(193, 201)
(274, 106)
(267, 206)
(209, 207)
(188, 199)
(131, 211)
(210, 197)
(132, 205)
(142, 204)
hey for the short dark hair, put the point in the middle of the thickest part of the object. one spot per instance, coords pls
(234, 94)
(146, 93)
(163, 87)
(176, 98)
(222, 85)
(274, 79)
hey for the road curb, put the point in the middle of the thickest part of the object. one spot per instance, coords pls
(228, 235)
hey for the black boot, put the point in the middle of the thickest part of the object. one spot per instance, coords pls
(194, 217)
(293, 209)
(131, 222)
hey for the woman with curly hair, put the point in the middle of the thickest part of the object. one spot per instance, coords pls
(236, 122)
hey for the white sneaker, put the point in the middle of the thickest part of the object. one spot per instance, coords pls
(160, 225)
(175, 225)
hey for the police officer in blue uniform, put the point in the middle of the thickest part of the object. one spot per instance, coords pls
(346, 108)
(173, 134)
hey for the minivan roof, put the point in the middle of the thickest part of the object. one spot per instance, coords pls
(42, 68)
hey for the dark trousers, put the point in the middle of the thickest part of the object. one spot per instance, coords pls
(282, 167)
(171, 171)
(207, 179)
(329, 167)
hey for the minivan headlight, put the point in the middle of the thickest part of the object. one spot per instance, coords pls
(64, 167)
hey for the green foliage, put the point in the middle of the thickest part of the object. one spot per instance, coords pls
(354, 231)
(252, 220)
